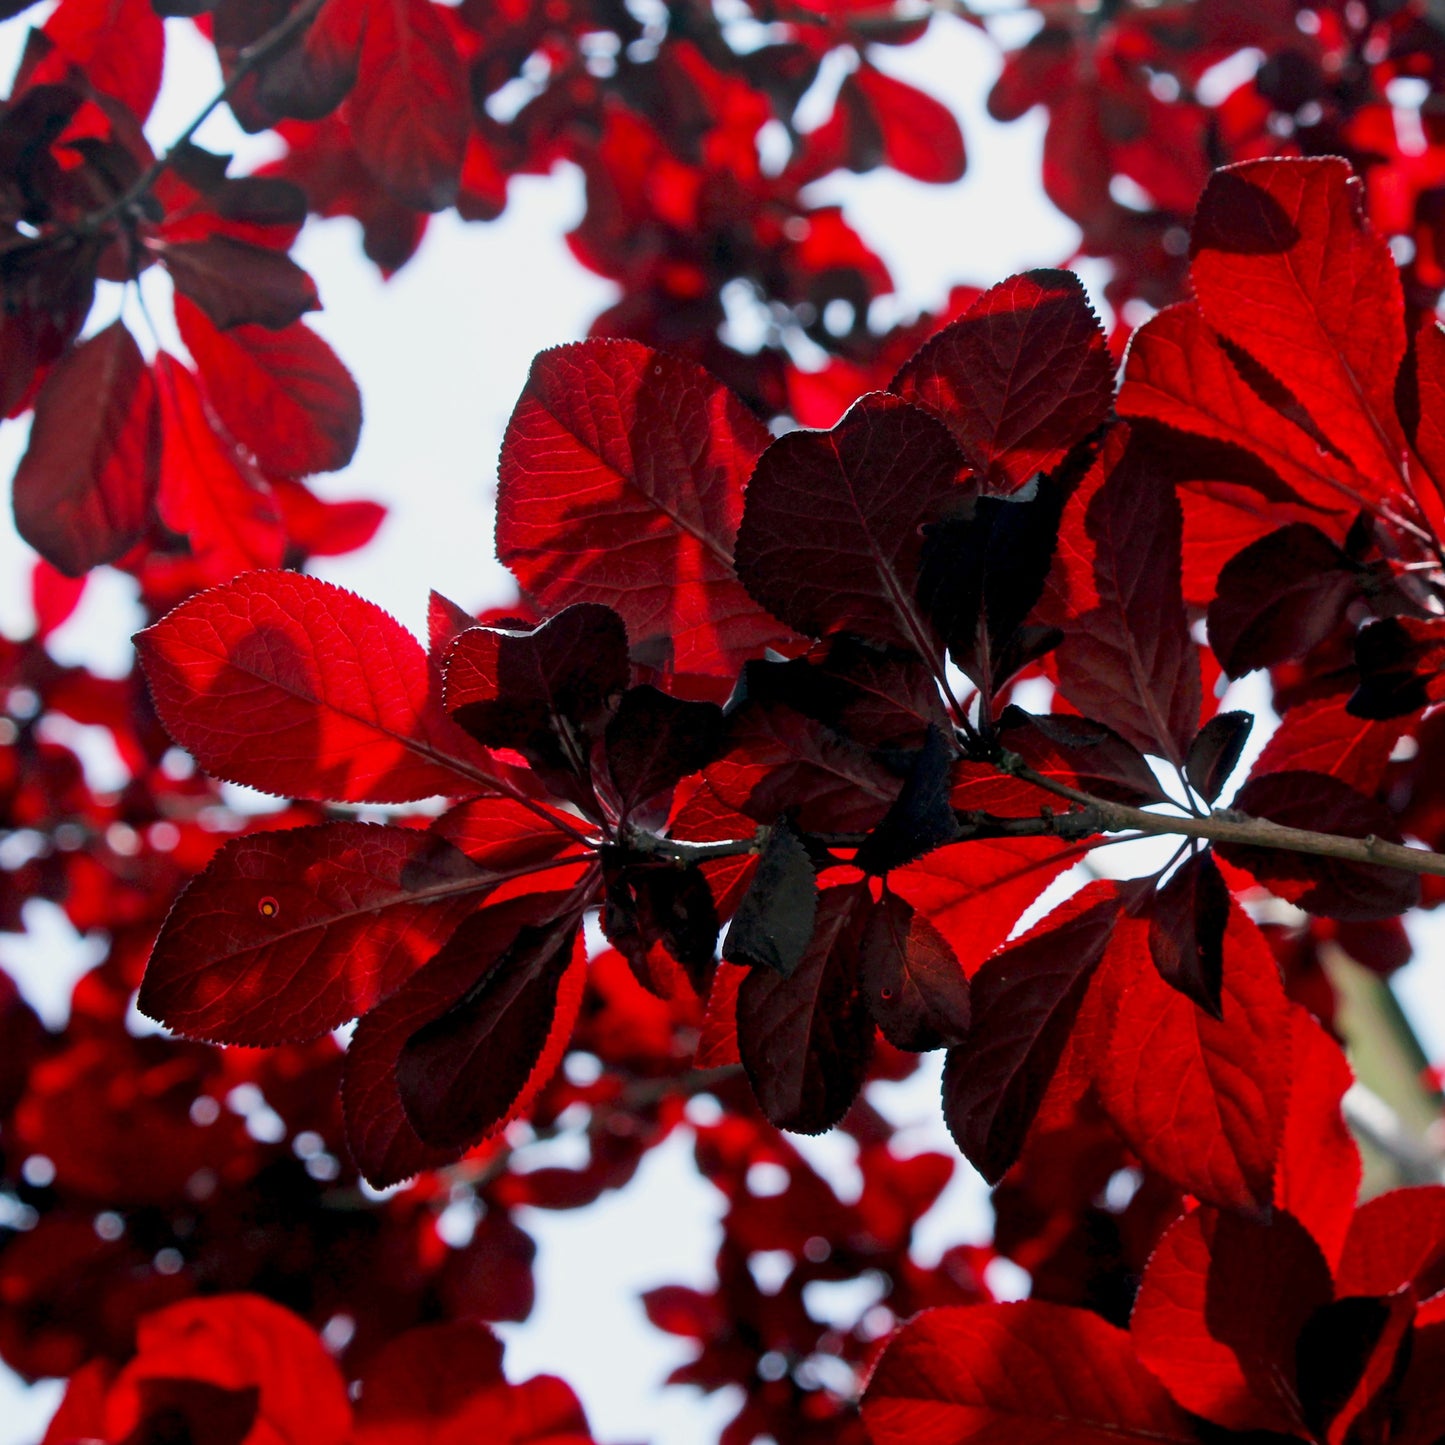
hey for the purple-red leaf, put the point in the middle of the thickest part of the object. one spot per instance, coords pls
(917, 989)
(236, 283)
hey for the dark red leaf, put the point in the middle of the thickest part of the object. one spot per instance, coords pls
(410, 109)
(85, 489)
(290, 933)
(119, 44)
(1318, 1175)
(194, 1411)
(1327, 886)
(1127, 658)
(920, 137)
(921, 817)
(866, 489)
(774, 922)
(805, 1039)
(1214, 754)
(460, 1073)
(281, 393)
(1351, 1354)
(1081, 754)
(622, 479)
(917, 989)
(295, 686)
(1187, 916)
(1025, 1001)
(1028, 1374)
(1280, 598)
(236, 283)
(653, 741)
(1020, 378)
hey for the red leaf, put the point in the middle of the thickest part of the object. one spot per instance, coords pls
(1394, 1239)
(867, 489)
(1318, 1175)
(236, 1341)
(1187, 918)
(528, 1045)
(805, 1039)
(410, 108)
(85, 488)
(1218, 1314)
(208, 492)
(1127, 658)
(1025, 1001)
(973, 893)
(1202, 1101)
(236, 283)
(443, 1384)
(281, 393)
(1327, 886)
(290, 933)
(295, 686)
(920, 137)
(1286, 267)
(119, 44)
(1321, 736)
(1177, 372)
(622, 480)
(1020, 378)
(1028, 1374)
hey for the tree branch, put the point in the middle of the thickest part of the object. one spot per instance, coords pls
(247, 61)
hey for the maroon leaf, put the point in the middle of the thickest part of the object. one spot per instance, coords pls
(622, 479)
(1081, 753)
(1215, 752)
(1187, 917)
(1029, 1373)
(236, 283)
(1127, 658)
(1327, 886)
(295, 686)
(774, 922)
(383, 1140)
(1025, 1001)
(460, 1074)
(1023, 376)
(653, 741)
(917, 989)
(921, 817)
(1352, 1353)
(805, 1039)
(1280, 598)
(85, 489)
(290, 933)
(866, 489)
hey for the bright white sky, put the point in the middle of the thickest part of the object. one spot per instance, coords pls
(441, 353)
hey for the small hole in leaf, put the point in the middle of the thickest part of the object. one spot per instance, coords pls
(268, 907)
(885, 993)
